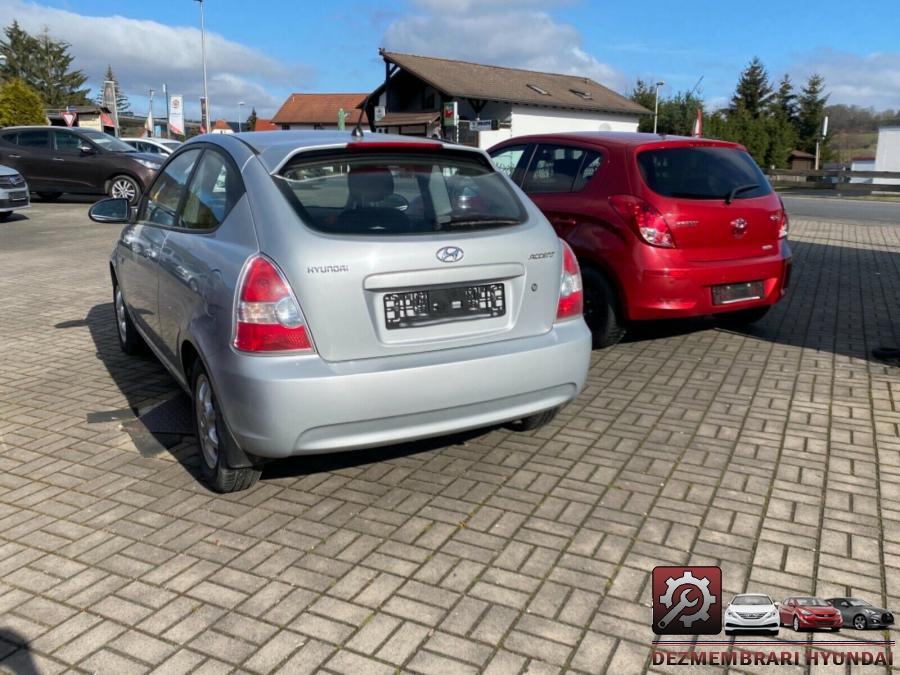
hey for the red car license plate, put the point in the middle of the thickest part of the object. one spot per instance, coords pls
(729, 293)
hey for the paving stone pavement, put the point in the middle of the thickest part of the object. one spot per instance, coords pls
(774, 454)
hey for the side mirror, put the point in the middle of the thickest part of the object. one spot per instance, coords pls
(111, 210)
(87, 149)
(778, 604)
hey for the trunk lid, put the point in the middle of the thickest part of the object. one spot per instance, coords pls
(405, 248)
(716, 201)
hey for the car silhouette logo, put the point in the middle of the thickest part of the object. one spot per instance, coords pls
(450, 254)
(738, 227)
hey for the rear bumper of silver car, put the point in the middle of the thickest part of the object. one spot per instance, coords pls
(279, 406)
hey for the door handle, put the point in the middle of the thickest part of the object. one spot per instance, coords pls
(15, 156)
(565, 221)
(58, 159)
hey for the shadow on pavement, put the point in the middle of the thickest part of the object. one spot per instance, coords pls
(15, 656)
(159, 416)
(842, 299)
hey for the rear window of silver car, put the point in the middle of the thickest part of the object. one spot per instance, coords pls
(702, 173)
(398, 193)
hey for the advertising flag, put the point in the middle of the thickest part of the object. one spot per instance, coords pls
(203, 128)
(697, 131)
(110, 102)
(176, 115)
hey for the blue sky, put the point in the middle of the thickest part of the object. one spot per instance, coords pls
(260, 52)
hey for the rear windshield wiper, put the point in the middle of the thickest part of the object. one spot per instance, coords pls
(471, 222)
(738, 190)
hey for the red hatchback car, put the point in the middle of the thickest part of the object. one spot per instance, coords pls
(663, 226)
(805, 613)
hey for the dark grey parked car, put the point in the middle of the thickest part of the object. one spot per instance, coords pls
(55, 160)
(860, 614)
(315, 293)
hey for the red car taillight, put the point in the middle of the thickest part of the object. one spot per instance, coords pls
(646, 220)
(571, 292)
(782, 220)
(268, 317)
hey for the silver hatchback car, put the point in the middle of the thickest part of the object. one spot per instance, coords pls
(316, 292)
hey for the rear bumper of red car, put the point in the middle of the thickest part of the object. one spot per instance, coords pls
(665, 285)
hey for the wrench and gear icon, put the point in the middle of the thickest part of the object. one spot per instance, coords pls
(686, 579)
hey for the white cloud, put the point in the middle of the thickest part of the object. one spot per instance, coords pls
(870, 80)
(145, 54)
(501, 32)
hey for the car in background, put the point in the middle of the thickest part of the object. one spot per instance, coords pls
(56, 160)
(860, 614)
(751, 612)
(153, 146)
(318, 293)
(13, 192)
(663, 226)
(804, 612)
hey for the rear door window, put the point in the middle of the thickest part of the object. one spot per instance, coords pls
(702, 173)
(396, 193)
(214, 189)
(557, 168)
(161, 205)
(34, 138)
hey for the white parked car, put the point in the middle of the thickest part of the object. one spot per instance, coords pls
(13, 192)
(154, 146)
(751, 612)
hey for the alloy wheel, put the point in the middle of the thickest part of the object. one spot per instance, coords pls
(859, 623)
(796, 624)
(205, 407)
(121, 316)
(123, 187)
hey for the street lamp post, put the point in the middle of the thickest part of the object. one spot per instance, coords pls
(203, 55)
(240, 114)
(656, 106)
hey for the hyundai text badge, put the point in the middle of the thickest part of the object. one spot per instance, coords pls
(450, 254)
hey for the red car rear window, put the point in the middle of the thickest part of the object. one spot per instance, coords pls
(702, 173)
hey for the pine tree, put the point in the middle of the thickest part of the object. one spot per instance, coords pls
(251, 121)
(753, 93)
(44, 65)
(20, 104)
(122, 104)
(785, 100)
(18, 48)
(811, 114)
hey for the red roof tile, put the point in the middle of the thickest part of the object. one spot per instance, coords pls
(319, 108)
(265, 125)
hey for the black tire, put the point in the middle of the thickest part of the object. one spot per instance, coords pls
(125, 186)
(215, 441)
(860, 619)
(130, 340)
(796, 624)
(49, 196)
(601, 309)
(744, 317)
(835, 629)
(729, 632)
(5, 215)
(532, 422)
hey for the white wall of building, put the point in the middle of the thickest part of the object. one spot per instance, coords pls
(529, 120)
(887, 155)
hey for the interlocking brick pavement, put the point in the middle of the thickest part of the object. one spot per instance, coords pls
(774, 453)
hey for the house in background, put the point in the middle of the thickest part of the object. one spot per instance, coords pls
(223, 127)
(319, 111)
(265, 125)
(493, 103)
(801, 161)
